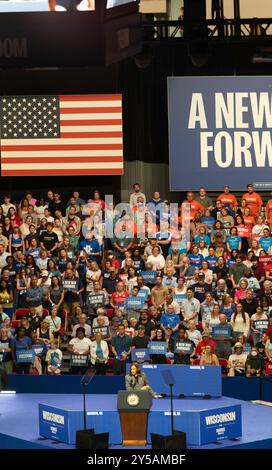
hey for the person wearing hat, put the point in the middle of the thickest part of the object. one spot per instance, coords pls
(201, 287)
(140, 341)
(237, 361)
(206, 340)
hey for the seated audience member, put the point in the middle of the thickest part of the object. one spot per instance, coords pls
(206, 341)
(193, 334)
(99, 354)
(253, 363)
(237, 361)
(208, 358)
(183, 348)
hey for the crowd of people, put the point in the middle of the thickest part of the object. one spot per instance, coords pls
(70, 290)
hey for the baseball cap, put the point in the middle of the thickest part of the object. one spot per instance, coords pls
(45, 274)
(201, 274)
(238, 345)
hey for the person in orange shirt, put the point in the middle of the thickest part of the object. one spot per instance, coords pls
(248, 218)
(253, 199)
(195, 206)
(228, 199)
(268, 212)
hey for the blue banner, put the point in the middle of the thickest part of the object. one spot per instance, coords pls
(157, 347)
(53, 423)
(25, 355)
(219, 132)
(143, 293)
(70, 285)
(98, 299)
(39, 349)
(179, 298)
(149, 276)
(77, 360)
(140, 355)
(220, 331)
(220, 423)
(134, 303)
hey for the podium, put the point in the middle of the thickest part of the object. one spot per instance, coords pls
(133, 407)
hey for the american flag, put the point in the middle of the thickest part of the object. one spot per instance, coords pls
(61, 135)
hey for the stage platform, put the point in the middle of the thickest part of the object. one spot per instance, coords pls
(19, 419)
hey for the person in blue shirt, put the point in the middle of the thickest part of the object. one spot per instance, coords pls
(208, 220)
(202, 236)
(234, 242)
(21, 341)
(92, 248)
(169, 319)
(266, 240)
(212, 259)
(195, 258)
(232, 259)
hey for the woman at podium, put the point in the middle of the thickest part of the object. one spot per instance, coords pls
(137, 380)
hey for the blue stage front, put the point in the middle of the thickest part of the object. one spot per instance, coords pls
(204, 421)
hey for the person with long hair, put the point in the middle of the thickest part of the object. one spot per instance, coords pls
(212, 318)
(240, 321)
(137, 380)
(22, 284)
(208, 358)
(6, 298)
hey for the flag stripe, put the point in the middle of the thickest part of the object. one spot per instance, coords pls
(18, 148)
(63, 111)
(91, 122)
(8, 144)
(90, 104)
(89, 97)
(97, 116)
(60, 153)
(36, 166)
(63, 172)
(66, 158)
(97, 135)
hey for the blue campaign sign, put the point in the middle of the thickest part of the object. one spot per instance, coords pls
(157, 347)
(38, 349)
(140, 355)
(221, 331)
(149, 276)
(143, 293)
(219, 424)
(25, 355)
(261, 325)
(134, 302)
(220, 131)
(53, 423)
(98, 299)
(179, 298)
(183, 347)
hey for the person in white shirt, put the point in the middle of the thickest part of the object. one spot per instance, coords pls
(7, 205)
(193, 334)
(100, 313)
(156, 259)
(3, 256)
(82, 324)
(190, 308)
(99, 354)
(80, 346)
(54, 355)
(237, 361)
(134, 196)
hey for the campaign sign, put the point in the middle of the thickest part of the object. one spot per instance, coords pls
(78, 360)
(143, 293)
(140, 355)
(183, 347)
(134, 303)
(70, 284)
(25, 355)
(95, 299)
(157, 347)
(38, 349)
(149, 276)
(220, 423)
(179, 298)
(53, 423)
(220, 130)
(261, 325)
(220, 331)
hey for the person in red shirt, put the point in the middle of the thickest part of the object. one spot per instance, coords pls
(253, 199)
(119, 296)
(195, 206)
(227, 198)
(206, 340)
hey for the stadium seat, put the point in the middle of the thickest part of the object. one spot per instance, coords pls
(21, 312)
(15, 323)
(196, 362)
(109, 312)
